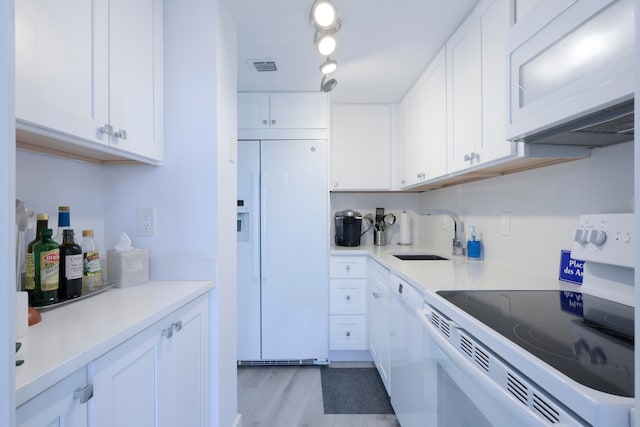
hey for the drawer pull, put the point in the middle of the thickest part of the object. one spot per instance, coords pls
(348, 297)
(348, 333)
(348, 268)
(168, 332)
(177, 326)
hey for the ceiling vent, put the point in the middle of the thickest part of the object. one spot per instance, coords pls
(262, 66)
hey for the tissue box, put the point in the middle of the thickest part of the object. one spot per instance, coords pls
(130, 268)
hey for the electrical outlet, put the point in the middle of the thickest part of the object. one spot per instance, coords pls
(505, 224)
(146, 218)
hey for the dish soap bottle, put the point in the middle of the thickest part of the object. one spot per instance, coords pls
(46, 260)
(91, 269)
(474, 246)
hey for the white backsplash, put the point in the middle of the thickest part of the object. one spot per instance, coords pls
(368, 202)
(544, 205)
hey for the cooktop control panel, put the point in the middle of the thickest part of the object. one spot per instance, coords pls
(605, 239)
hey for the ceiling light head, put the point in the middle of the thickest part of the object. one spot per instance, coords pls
(327, 85)
(328, 67)
(324, 15)
(325, 43)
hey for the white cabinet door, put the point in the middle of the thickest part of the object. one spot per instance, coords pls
(436, 117)
(283, 110)
(135, 76)
(253, 110)
(476, 87)
(424, 119)
(157, 378)
(360, 147)
(378, 330)
(183, 399)
(493, 19)
(61, 66)
(126, 383)
(89, 75)
(57, 405)
(298, 110)
(416, 132)
(463, 94)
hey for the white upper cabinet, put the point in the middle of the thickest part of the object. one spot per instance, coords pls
(89, 78)
(360, 145)
(282, 110)
(476, 87)
(423, 117)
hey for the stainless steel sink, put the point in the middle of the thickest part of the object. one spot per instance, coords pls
(420, 257)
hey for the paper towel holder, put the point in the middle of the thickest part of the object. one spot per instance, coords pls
(405, 229)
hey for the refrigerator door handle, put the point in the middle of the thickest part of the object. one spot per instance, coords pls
(255, 224)
(263, 226)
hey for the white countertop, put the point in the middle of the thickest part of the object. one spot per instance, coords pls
(456, 273)
(71, 336)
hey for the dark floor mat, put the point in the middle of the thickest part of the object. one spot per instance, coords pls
(354, 391)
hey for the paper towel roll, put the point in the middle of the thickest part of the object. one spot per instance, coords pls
(405, 229)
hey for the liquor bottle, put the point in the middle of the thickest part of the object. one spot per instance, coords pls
(91, 269)
(30, 274)
(46, 260)
(64, 223)
(70, 268)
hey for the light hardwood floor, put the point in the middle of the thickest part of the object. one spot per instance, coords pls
(291, 396)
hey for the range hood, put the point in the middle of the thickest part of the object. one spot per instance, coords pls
(602, 128)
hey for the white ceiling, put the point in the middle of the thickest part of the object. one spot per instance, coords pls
(383, 45)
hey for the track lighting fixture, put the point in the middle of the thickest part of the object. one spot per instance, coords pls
(324, 15)
(325, 19)
(329, 66)
(327, 84)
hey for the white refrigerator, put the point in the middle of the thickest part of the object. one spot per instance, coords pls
(283, 251)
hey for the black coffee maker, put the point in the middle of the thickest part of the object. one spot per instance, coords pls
(348, 228)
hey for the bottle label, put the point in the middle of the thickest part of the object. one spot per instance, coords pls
(73, 266)
(91, 264)
(49, 269)
(30, 279)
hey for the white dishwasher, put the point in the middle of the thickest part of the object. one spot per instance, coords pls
(407, 355)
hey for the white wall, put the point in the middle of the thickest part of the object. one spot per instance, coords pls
(544, 205)
(368, 202)
(45, 182)
(7, 217)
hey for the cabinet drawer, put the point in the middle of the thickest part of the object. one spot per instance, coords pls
(348, 296)
(347, 332)
(347, 267)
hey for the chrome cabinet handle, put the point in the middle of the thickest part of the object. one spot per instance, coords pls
(273, 122)
(107, 129)
(265, 121)
(168, 332)
(177, 326)
(348, 298)
(121, 133)
(83, 394)
(348, 333)
(348, 268)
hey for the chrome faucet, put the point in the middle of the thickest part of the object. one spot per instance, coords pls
(458, 229)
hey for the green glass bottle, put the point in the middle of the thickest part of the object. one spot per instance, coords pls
(46, 260)
(30, 275)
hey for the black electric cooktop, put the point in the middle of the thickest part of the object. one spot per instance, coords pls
(589, 339)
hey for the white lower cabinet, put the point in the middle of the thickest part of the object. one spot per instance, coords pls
(348, 303)
(57, 406)
(378, 330)
(157, 377)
